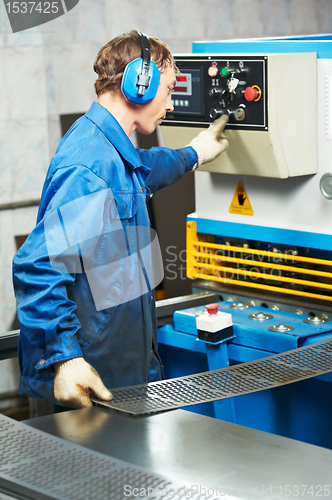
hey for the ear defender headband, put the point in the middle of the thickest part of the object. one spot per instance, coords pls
(141, 77)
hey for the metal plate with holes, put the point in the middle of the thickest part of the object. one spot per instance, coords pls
(35, 465)
(266, 373)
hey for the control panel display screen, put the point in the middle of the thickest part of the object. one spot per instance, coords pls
(183, 85)
(209, 86)
(187, 93)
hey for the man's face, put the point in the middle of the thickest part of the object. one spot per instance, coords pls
(151, 114)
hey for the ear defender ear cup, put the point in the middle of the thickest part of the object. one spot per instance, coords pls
(141, 77)
(130, 79)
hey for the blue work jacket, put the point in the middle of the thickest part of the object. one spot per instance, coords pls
(82, 279)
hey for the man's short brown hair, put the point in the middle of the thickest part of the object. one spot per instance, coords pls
(112, 59)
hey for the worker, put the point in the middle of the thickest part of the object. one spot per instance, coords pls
(83, 279)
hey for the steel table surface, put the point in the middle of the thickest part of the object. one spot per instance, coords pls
(200, 451)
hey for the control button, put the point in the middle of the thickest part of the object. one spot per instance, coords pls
(213, 71)
(224, 72)
(239, 114)
(212, 308)
(250, 94)
(253, 93)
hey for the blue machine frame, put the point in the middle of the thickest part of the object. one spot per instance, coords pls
(321, 44)
(302, 410)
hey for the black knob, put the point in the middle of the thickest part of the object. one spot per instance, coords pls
(216, 112)
(215, 92)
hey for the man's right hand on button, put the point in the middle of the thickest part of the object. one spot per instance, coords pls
(73, 381)
(209, 143)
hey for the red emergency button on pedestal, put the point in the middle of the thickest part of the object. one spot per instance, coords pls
(252, 93)
(212, 308)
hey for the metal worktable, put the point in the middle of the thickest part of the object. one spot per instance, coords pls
(200, 451)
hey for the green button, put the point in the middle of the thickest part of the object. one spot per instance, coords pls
(224, 71)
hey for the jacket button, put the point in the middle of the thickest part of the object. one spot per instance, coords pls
(41, 362)
(143, 189)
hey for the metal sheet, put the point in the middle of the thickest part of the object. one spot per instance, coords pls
(200, 451)
(6, 497)
(38, 466)
(266, 373)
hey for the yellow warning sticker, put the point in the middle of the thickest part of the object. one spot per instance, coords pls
(241, 204)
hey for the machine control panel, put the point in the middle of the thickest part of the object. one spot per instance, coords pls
(210, 86)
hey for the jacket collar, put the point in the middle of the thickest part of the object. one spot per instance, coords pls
(111, 128)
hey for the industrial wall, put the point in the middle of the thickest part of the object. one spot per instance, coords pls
(46, 72)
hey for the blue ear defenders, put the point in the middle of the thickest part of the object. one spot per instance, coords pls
(141, 77)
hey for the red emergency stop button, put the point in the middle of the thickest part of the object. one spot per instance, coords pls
(212, 308)
(252, 93)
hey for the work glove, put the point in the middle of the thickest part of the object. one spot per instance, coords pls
(209, 143)
(73, 381)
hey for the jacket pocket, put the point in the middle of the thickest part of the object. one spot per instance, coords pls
(125, 206)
